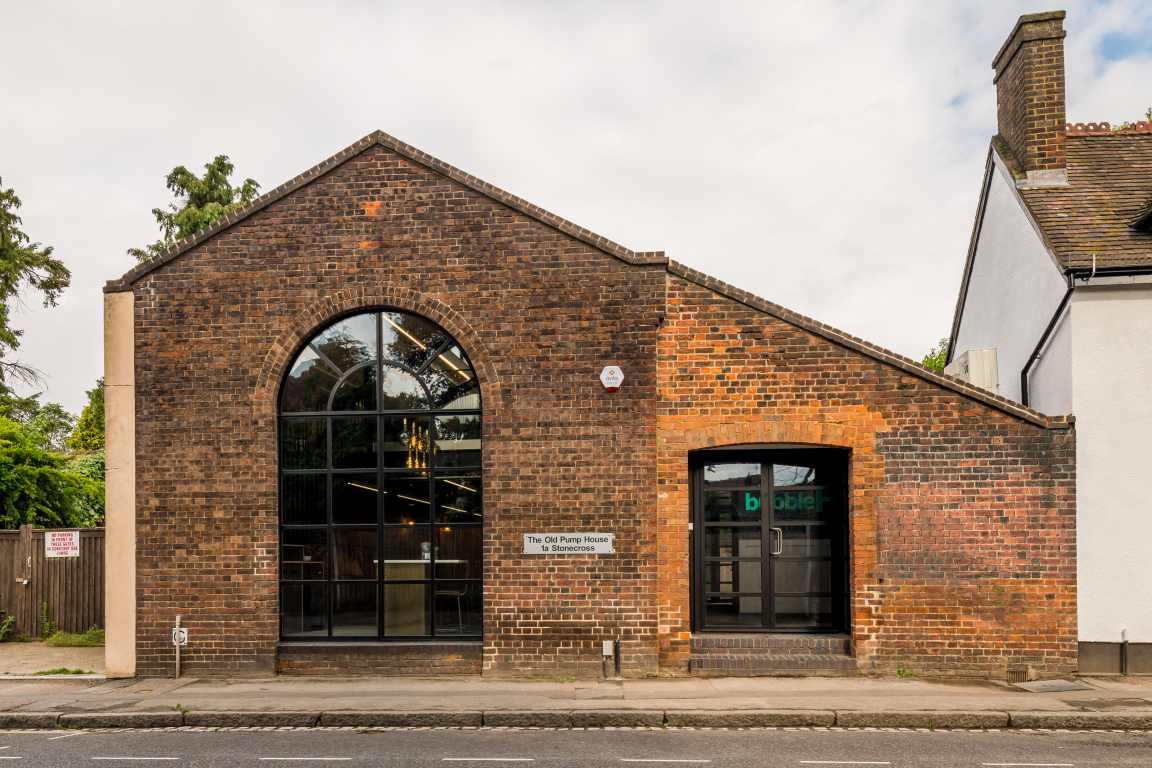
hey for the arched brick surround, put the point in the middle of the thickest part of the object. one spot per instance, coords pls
(866, 473)
(347, 302)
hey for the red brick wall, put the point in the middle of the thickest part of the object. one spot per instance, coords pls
(538, 312)
(966, 513)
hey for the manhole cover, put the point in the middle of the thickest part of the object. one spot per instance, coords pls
(1052, 686)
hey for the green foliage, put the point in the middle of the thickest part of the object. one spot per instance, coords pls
(936, 357)
(6, 627)
(89, 432)
(23, 265)
(199, 202)
(63, 671)
(47, 628)
(50, 421)
(36, 487)
(905, 672)
(93, 638)
(89, 508)
(1128, 124)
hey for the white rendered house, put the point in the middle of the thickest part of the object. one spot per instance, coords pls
(1058, 281)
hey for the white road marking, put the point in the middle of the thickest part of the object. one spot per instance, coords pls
(65, 736)
(840, 762)
(305, 758)
(491, 759)
(133, 758)
(658, 760)
(1037, 765)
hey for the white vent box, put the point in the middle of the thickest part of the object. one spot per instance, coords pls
(977, 367)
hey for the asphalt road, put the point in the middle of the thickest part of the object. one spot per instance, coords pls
(564, 749)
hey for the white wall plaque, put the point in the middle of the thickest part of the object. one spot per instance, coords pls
(568, 543)
(61, 543)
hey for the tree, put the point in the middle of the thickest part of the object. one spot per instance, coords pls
(23, 264)
(936, 357)
(89, 433)
(38, 488)
(199, 202)
(50, 421)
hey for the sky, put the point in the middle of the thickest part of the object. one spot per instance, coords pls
(824, 155)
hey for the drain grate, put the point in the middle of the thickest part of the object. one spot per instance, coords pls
(1017, 675)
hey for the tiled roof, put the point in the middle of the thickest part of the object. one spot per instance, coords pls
(1110, 177)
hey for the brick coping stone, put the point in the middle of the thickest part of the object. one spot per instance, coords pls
(621, 718)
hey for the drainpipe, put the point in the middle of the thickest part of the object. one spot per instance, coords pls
(1047, 332)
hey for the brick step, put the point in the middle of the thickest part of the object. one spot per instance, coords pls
(734, 664)
(771, 644)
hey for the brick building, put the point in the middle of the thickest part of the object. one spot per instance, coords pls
(334, 415)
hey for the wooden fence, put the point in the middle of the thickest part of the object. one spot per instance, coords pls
(73, 587)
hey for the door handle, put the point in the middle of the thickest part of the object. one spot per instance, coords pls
(779, 533)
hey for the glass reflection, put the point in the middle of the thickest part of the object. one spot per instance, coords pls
(451, 381)
(731, 475)
(401, 390)
(457, 441)
(787, 474)
(459, 498)
(309, 384)
(732, 506)
(348, 342)
(357, 392)
(408, 339)
(732, 542)
(811, 576)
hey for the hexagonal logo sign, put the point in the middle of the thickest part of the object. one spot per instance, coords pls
(612, 377)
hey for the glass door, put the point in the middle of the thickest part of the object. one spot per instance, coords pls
(768, 542)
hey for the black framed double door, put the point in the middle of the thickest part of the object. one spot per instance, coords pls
(769, 540)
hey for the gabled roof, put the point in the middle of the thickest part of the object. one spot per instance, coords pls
(395, 145)
(1110, 182)
(607, 246)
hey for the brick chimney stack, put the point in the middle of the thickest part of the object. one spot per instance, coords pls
(1030, 98)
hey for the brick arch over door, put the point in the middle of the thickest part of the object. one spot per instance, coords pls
(866, 474)
(311, 319)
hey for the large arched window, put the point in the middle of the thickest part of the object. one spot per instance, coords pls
(380, 492)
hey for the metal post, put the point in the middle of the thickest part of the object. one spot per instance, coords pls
(616, 653)
(1124, 658)
(177, 647)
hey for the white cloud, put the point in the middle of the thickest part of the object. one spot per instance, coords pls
(824, 155)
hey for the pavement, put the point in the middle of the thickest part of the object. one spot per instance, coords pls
(472, 701)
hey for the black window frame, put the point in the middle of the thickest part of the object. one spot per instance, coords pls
(432, 472)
